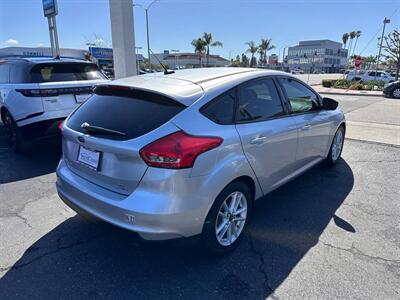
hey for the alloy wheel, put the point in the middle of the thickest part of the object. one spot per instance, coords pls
(231, 218)
(396, 93)
(337, 145)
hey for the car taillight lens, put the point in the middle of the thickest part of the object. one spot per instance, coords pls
(30, 92)
(55, 91)
(178, 150)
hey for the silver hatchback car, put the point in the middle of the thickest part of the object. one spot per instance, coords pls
(184, 154)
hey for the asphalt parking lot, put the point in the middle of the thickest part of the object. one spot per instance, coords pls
(331, 233)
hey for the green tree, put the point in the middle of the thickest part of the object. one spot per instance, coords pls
(244, 61)
(199, 48)
(263, 48)
(392, 49)
(235, 62)
(352, 35)
(368, 61)
(345, 38)
(208, 42)
(253, 50)
(358, 34)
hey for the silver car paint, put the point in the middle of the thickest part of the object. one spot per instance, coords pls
(163, 203)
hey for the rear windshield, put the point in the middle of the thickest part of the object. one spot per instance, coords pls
(133, 113)
(52, 72)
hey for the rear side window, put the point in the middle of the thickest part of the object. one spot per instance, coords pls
(132, 112)
(258, 101)
(4, 73)
(221, 109)
(52, 72)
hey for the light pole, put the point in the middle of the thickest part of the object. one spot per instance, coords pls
(176, 58)
(385, 21)
(147, 28)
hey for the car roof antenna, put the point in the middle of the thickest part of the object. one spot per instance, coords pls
(166, 71)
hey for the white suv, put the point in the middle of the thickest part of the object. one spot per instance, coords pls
(369, 76)
(37, 94)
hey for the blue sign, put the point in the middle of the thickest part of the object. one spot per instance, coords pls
(101, 53)
(50, 8)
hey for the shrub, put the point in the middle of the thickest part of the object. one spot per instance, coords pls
(378, 83)
(342, 83)
(328, 82)
(357, 86)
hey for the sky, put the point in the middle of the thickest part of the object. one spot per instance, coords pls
(175, 23)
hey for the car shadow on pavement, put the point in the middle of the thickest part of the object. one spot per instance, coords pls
(40, 160)
(79, 259)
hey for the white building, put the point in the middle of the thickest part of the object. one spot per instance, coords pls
(41, 51)
(321, 55)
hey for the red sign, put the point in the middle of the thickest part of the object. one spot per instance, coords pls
(357, 62)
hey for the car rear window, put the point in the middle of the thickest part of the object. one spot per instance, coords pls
(52, 72)
(132, 112)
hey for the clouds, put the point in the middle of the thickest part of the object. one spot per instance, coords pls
(11, 42)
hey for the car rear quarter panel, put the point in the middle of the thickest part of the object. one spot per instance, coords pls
(336, 117)
(17, 104)
(222, 165)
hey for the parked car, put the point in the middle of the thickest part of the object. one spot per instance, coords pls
(296, 71)
(366, 76)
(392, 89)
(185, 154)
(36, 94)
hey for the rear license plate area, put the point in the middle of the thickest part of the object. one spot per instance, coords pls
(89, 158)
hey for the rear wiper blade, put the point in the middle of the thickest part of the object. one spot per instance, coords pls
(98, 129)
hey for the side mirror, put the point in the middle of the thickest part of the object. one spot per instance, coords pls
(329, 104)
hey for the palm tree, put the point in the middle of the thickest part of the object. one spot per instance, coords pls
(358, 34)
(253, 50)
(208, 41)
(261, 51)
(352, 35)
(263, 48)
(199, 48)
(345, 38)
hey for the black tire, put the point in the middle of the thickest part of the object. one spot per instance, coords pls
(392, 94)
(208, 239)
(330, 159)
(15, 138)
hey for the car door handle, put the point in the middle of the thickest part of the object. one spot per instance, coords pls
(306, 126)
(258, 140)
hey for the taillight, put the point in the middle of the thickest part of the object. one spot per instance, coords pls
(55, 91)
(178, 150)
(30, 92)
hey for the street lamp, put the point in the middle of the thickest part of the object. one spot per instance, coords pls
(147, 27)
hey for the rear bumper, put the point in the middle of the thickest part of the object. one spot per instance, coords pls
(156, 215)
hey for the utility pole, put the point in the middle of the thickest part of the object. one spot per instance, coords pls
(385, 21)
(146, 10)
(148, 37)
